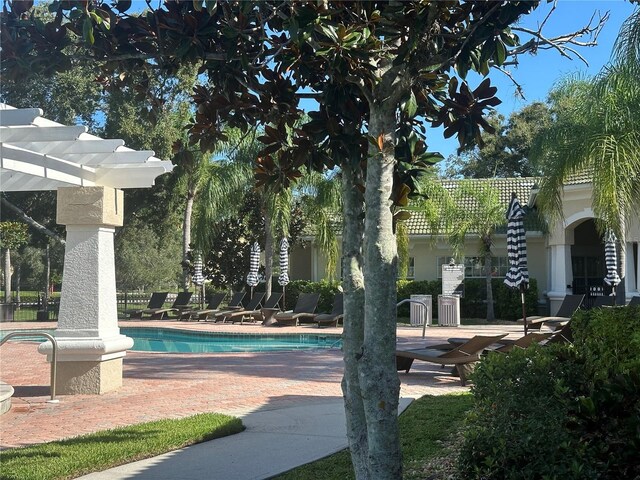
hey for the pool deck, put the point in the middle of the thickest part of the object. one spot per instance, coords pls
(175, 385)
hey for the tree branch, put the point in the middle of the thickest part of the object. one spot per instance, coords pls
(560, 42)
(41, 228)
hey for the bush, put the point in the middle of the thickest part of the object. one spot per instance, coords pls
(559, 411)
(327, 291)
(507, 301)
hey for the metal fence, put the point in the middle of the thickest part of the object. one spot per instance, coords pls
(31, 308)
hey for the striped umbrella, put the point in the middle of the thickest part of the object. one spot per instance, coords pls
(254, 264)
(518, 274)
(283, 279)
(611, 261)
(198, 277)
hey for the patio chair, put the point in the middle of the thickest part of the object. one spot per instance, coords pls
(180, 303)
(463, 357)
(522, 342)
(238, 314)
(234, 304)
(569, 305)
(603, 301)
(305, 307)
(337, 312)
(156, 301)
(214, 302)
(634, 302)
(270, 308)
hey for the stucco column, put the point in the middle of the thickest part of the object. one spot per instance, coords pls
(560, 275)
(89, 340)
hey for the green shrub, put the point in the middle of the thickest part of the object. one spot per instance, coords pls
(507, 301)
(558, 411)
(609, 339)
(515, 429)
(327, 291)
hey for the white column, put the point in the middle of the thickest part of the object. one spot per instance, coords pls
(560, 275)
(630, 274)
(89, 340)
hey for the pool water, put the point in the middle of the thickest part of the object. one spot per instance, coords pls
(167, 340)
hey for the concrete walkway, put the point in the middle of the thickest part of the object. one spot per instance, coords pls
(291, 402)
(274, 442)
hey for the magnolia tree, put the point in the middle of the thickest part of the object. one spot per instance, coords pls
(373, 74)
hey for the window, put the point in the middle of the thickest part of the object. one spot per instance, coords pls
(411, 270)
(474, 268)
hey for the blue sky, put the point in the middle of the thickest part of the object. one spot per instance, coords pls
(537, 74)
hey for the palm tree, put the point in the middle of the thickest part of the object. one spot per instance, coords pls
(597, 129)
(321, 200)
(223, 186)
(447, 211)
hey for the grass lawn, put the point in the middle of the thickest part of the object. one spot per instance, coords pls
(424, 429)
(101, 450)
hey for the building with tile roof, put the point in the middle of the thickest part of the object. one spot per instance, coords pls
(564, 256)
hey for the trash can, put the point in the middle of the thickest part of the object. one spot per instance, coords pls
(418, 315)
(448, 310)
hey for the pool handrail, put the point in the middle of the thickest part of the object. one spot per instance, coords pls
(54, 355)
(426, 311)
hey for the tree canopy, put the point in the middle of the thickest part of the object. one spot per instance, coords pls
(377, 71)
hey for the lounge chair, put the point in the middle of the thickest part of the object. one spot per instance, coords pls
(337, 312)
(603, 301)
(238, 314)
(234, 304)
(634, 302)
(463, 357)
(180, 303)
(522, 342)
(270, 306)
(214, 302)
(569, 305)
(305, 307)
(156, 301)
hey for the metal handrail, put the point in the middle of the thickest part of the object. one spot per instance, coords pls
(426, 311)
(54, 355)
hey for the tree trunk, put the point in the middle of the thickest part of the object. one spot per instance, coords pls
(18, 281)
(186, 238)
(378, 376)
(268, 251)
(488, 277)
(7, 275)
(47, 276)
(353, 334)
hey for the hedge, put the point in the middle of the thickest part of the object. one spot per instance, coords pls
(560, 411)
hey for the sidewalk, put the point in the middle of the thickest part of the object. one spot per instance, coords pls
(274, 442)
(291, 402)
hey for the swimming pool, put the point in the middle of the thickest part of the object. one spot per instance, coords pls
(169, 340)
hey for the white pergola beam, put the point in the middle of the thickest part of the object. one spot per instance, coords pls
(71, 147)
(43, 134)
(22, 116)
(33, 146)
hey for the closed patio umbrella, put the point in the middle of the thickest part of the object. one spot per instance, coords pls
(283, 278)
(254, 264)
(198, 277)
(518, 274)
(611, 262)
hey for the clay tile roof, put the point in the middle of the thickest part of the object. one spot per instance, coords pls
(417, 223)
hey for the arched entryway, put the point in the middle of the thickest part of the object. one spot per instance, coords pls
(587, 259)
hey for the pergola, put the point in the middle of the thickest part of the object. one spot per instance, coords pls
(88, 173)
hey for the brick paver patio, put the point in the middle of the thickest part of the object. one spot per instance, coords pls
(173, 385)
